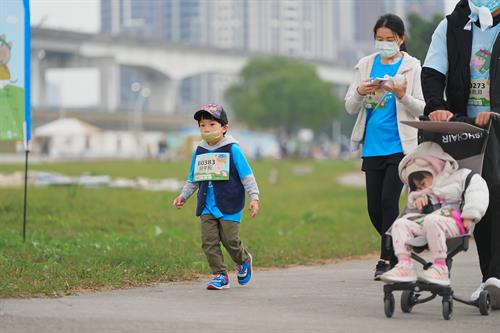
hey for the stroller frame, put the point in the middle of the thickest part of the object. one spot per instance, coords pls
(412, 291)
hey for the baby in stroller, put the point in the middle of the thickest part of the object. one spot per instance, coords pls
(445, 201)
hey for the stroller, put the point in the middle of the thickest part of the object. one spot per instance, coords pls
(469, 145)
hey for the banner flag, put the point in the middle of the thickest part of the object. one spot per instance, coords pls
(15, 42)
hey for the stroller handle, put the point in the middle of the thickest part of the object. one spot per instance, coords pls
(463, 119)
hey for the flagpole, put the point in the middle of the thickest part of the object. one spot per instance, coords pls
(26, 151)
(25, 194)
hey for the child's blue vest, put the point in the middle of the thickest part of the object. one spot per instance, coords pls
(229, 194)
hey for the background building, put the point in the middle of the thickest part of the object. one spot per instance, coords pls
(339, 31)
(304, 28)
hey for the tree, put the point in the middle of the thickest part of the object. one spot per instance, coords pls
(284, 94)
(420, 34)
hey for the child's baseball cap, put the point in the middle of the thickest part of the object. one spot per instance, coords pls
(215, 110)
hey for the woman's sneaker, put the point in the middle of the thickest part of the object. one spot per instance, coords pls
(245, 271)
(400, 273)
(218, 282)
(493, 287)
(435, 275)
(380, 269)
(477, 292)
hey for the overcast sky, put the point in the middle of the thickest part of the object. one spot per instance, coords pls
(450, 4)
(79, 15)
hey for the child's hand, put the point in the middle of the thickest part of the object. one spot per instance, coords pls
(253, 208)
(179, 202)
(420, 202)
(468, 223)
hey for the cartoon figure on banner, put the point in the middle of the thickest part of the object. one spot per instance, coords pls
(11, 96)
(4, 59)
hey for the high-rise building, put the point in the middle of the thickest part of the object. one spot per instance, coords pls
(170, 20)
(300, 28)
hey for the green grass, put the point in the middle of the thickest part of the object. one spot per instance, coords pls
(107, 238)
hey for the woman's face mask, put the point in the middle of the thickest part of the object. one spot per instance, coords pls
(492, 5)
(387, 49)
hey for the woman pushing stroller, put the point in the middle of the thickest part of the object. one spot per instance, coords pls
(440, 205)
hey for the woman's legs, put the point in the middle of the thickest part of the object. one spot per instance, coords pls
(374, 182)
(391, 191)
(383, 188)
(374, 185)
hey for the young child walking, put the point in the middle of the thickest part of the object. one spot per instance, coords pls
(435, 210)
(222, 175)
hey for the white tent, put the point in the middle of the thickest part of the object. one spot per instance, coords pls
(66, 126)
(73, 138)
(67, 137)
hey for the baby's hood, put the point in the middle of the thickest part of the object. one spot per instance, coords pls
(427, 150)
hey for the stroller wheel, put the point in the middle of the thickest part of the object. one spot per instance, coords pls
(407, 301)
(389, 305)
(484, 302)
(447, 309)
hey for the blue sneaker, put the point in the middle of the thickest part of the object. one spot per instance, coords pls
(218, 282)
(245, 271)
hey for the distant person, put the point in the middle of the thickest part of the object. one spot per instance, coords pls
(283, 149)
(222, 175)
(258, 153)
(162, 149)
(386, 90)
(461, 64)
(435, 210)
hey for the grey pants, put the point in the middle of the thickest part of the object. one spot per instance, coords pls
(213, 232)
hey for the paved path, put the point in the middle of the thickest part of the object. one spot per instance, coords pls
(331, 298)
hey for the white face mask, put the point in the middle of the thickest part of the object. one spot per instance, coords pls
(492, 5)
(482, 10)
(387, 49)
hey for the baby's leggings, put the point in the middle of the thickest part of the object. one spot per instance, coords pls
(436, 228)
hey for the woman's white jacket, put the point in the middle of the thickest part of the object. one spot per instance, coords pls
(410, 107)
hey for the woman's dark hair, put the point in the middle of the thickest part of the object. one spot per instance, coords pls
(417, 176)
(393, 22)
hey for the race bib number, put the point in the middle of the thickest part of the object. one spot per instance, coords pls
(479, 92)
(211, 166)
